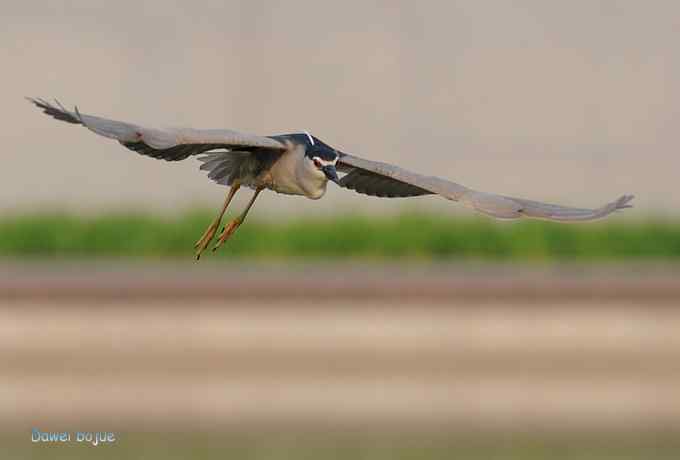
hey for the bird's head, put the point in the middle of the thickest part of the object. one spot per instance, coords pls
(321, 158)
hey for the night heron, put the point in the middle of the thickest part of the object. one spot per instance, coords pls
(301, 164)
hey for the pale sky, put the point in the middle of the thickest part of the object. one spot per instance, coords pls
(572, 102)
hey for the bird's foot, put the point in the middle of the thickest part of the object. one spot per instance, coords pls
(226, 233)
(206, 238)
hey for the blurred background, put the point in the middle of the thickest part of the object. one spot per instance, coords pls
(351, 326)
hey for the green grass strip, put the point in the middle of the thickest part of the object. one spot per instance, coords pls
(407, 236)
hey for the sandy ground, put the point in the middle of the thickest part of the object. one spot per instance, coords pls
(496, 348)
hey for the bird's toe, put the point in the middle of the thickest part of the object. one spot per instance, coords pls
(227, 231)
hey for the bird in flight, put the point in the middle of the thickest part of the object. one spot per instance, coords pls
(301, 164)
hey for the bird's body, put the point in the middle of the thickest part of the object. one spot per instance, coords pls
(291, 176)
(290, 171)
(300, 164)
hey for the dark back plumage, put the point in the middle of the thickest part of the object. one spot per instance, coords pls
(314, 147)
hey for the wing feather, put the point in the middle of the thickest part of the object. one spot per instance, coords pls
(171, 144)
(378, 179)
(386, 180)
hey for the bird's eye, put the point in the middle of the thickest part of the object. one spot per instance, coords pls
(317, 163)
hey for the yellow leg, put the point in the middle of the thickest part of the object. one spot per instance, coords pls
(209, 233)
(236, 223)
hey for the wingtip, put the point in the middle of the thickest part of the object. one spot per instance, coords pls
(623, 202)
(35, 101)
(39, 102)
(80, 118)
(57, 110)
(625, 199)
(56, 101)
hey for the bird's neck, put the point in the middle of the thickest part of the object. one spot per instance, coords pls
(312, 181)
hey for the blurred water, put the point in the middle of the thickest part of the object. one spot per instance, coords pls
(555, 362)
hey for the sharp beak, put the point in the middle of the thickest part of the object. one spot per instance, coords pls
(331, 173)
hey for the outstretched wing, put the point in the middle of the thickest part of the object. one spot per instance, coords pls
(386, 180)
(170, 144)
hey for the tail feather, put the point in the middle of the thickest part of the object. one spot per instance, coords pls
(225, 166)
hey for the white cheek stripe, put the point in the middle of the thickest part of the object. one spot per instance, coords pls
(309, 136)
(325, 162)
